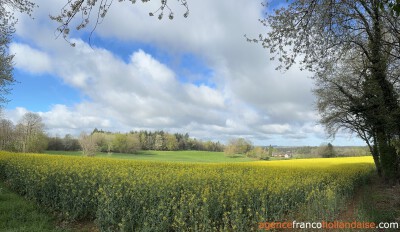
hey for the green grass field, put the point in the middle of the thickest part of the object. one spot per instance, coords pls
(171, 156)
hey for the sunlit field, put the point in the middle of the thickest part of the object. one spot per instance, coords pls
(169, 156)
(134, 195)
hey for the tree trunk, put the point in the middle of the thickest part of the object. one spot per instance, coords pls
(375, 154)
(386, 118)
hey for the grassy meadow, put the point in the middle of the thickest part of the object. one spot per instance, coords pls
(169, 156)
(148, 195)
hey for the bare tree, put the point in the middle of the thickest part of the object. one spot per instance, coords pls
(88, 144)
(6, 134)
(29, 133)
(6, 65)
(86, 8)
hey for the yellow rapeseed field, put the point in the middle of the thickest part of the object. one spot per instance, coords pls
(123, 195)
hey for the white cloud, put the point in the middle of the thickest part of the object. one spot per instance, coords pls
(205, 96)
(243, 95)
(276, 128)
(16, 114)
(61, 117)
(30, 59)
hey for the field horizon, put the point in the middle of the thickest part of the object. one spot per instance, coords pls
(168, 156)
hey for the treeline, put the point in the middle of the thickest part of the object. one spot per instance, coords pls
(164, 141)
(29, 136)
(67, 143)
(324, 150)
(105, 141)
(26, 136)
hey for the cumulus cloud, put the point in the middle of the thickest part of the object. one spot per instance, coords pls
(242, 95)
(61, 117)
(16, 114)
(30, 59)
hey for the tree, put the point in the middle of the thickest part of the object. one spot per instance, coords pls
(126, 143)
(393, 5)
(133, 143)
(6, 65)
(270, 150)
(119, 143)
(171, 142)
(6, 134)
(70, 143)
(37, 143)
(159, 142)
(259, 153)
(323, 33)
(23, 6)
(55, 144)
(109, 141)
(100, 140)
(88, 144)
(82, 8)
(213, 146)
(344, 101)
(29, 134)
(7, 23)
(237, 146)
(326, 151)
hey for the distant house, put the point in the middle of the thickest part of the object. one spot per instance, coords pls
(288, 156)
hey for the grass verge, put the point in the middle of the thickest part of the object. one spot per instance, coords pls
(379, 203)
(18, 214)
(374, 202)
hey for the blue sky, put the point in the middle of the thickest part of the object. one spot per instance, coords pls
(195, 75)
(28, 92)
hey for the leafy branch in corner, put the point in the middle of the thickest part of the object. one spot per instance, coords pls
(86, 8)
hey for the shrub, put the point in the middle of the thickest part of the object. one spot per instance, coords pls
(237, 146)
(259, 153)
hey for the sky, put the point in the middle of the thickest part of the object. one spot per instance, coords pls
(197, 75)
